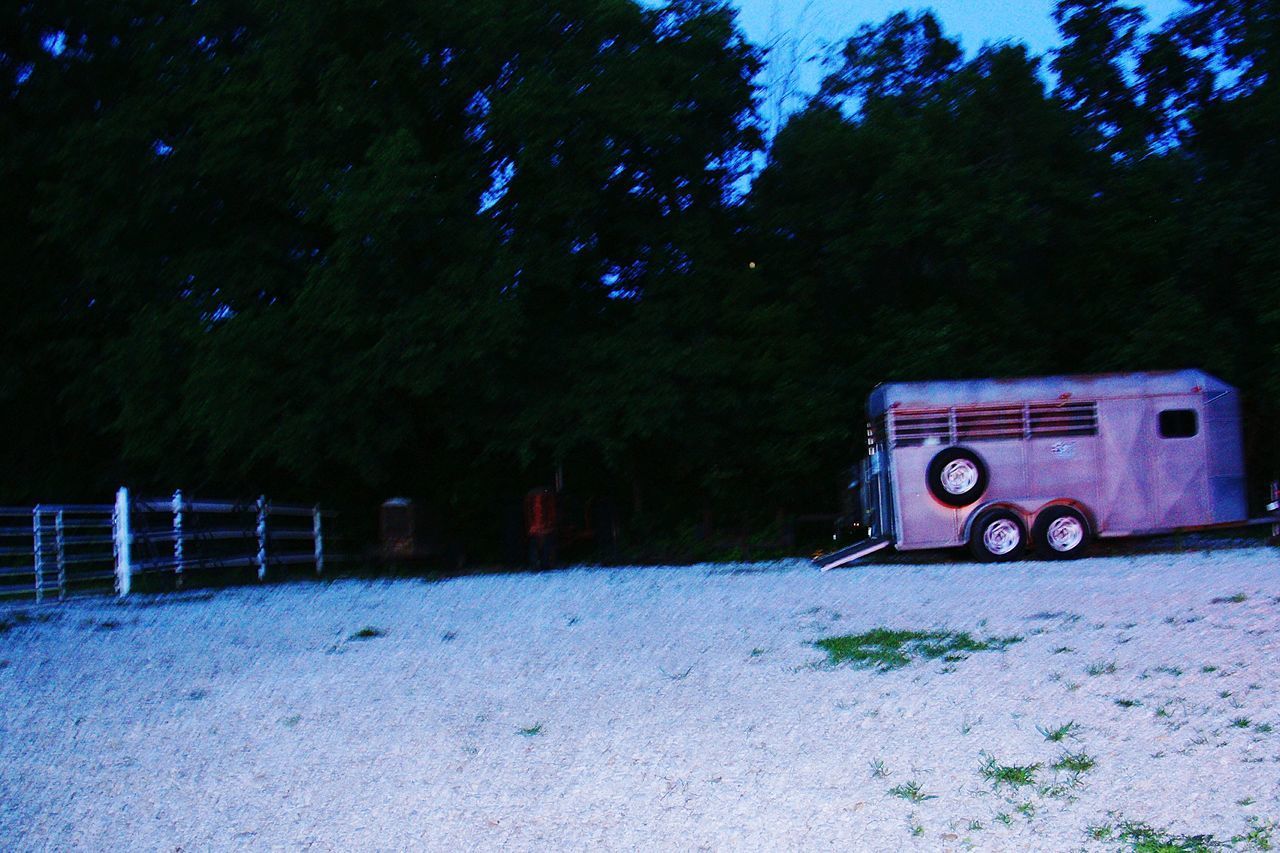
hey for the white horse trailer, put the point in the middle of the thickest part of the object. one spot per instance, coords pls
(1004, 465)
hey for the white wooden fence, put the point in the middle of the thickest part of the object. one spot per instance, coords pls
(58, 549)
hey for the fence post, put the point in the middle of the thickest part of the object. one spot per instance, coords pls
(177, 538)
(62, 555)
(262, 537)
(319, 539)
(1275, 498)
(38, 552)
(123, 543)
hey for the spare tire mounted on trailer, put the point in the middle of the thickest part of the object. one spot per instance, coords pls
(957, 476)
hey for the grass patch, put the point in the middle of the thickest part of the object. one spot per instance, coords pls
(1061, 733)
(1100, 831)
(1208, 668)
(1013, 775)
(1238, 598)
(1063, 650)
(885, 649)
(1128, 703)
(1142, 838)
(1075, 762)
(21, 617)
(368, 632)
(1102, 667)
(1259, 834)
(531, 731)
(1049, 615)
(878, 769)
(1241, 722)
(910, 791)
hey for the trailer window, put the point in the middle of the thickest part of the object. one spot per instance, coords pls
(1178, 423)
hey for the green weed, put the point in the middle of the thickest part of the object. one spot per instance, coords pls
(910, 791)
(1075, 762)
(1013, 775)
(1057, 735)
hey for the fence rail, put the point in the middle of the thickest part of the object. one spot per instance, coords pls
(64, 547)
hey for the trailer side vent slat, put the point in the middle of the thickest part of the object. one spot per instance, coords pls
(1050, 420)
(921, 426)
(989, 423)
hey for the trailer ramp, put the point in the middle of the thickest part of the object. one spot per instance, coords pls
(847, 555)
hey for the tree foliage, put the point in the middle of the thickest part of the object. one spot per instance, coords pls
(353, 249)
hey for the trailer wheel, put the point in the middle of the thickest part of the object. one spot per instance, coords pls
(957, 477)
(1060, 533)
(998, 536)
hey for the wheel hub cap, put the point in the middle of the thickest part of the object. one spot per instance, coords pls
(1065, 533)
(1001, 537)
(959, 476)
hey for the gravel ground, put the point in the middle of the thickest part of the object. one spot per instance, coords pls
(650, 708)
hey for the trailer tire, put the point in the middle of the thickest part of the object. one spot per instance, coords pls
(1060, 533)
(998, 536)
(957, 477)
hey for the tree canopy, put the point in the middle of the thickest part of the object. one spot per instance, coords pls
(356, 249)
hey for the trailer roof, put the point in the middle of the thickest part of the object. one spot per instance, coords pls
(1097, 386)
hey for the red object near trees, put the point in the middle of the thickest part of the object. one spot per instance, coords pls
(540, 512)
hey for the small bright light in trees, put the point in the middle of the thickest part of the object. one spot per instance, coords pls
(751, 265)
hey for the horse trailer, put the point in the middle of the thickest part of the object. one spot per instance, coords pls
(1048, 464)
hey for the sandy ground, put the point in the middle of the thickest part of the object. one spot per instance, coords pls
(655, 708)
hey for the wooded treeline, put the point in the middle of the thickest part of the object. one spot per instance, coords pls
(371, 247)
